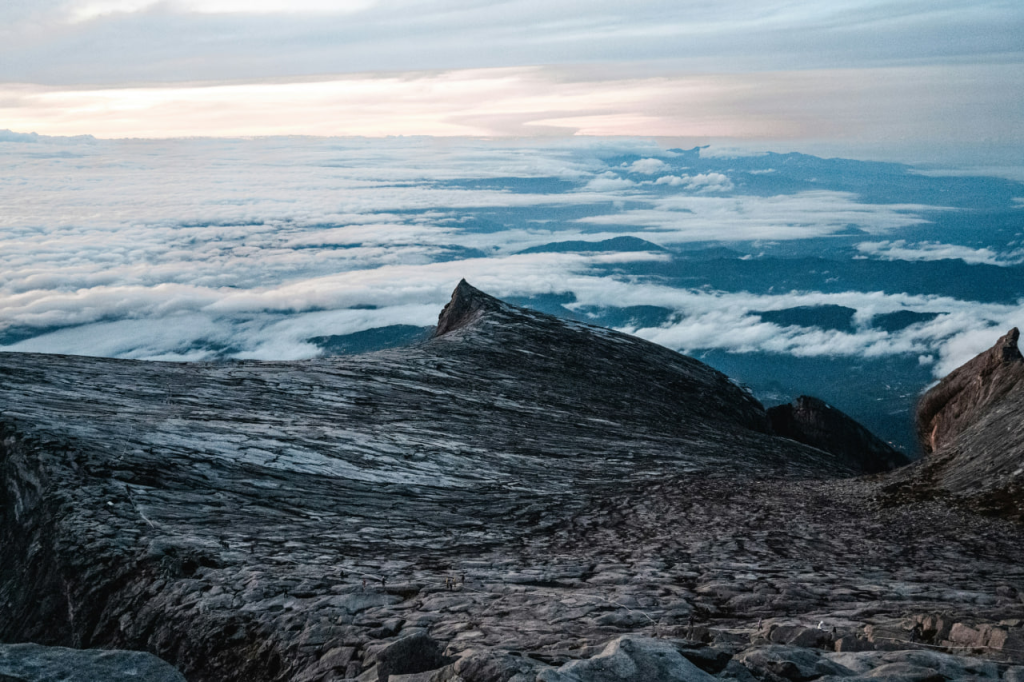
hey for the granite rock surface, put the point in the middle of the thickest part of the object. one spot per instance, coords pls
(971, 426)
(35, 663)
(514, 499)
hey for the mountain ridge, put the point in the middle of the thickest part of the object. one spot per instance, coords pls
(266, 521)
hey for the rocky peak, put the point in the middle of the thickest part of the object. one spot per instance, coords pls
(467, 305)
(814, 422)
(958, 400)
(970, 426)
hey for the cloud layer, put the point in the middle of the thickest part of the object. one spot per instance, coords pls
(188, 250)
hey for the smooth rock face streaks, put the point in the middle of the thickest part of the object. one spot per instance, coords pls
(501, 501)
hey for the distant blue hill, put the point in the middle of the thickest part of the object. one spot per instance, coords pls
(613, 244)
(901, 319)
(552, 304)
(954, 278)
(369, 340)
(837, 317)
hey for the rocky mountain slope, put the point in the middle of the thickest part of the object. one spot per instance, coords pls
(971, 425)
(515, 498)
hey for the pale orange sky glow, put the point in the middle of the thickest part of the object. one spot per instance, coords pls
(850, 104)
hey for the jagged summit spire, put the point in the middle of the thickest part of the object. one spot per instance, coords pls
(1007, 346)
(467, 305)
(956, 400)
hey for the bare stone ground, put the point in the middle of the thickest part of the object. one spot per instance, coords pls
(521, 491)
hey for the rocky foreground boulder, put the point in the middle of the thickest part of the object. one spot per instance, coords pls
(35, 663)
(519, 498)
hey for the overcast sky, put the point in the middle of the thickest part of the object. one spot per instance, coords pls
(904, 74)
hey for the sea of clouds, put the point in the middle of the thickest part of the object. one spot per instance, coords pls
(206, 249)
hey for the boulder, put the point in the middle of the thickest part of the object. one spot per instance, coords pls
(630, 659)
(789, 663)
(876, 663)
(36, 663)
(413, 654)
(496, 666)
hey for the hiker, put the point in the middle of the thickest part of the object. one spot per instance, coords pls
(383, 582)
(364, 584)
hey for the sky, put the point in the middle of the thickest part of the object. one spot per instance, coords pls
(908, 80)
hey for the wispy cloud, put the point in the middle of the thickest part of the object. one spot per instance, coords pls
(689, 217)
(702, 182)
(915, 251)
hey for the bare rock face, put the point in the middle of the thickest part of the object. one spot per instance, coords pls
(813, 422)
(500, 501)
(971, 424)
(466, 306)
(34, 663)
(630, 659)
(961, 399)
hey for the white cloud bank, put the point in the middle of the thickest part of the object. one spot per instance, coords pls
(917, 251)
(182, 250)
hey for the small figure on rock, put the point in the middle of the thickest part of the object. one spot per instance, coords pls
(383, 582)
(364, 584)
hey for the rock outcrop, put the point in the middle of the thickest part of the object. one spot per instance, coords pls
(518, 491)
(630, 659)
(971, 425)
(814, 422)
(963, 397)
(34, 663)
(465, 307)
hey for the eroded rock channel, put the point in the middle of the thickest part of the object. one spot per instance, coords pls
(518, 498)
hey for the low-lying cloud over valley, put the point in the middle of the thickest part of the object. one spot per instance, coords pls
(207, 249)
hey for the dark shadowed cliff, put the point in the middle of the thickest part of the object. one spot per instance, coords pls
(813, 422)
